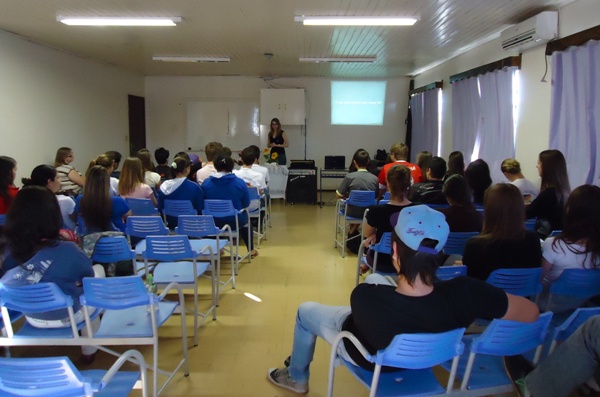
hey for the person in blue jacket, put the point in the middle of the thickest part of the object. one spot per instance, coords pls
(226, 186)
(180, 188)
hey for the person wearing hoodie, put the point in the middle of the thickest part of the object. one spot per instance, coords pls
(180, 188)
(226, 186)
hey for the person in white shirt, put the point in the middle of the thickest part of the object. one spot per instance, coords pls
(251, 177)
(210, 150)
(512, 171)
(256, 166)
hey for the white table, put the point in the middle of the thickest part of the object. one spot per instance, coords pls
(278, 175)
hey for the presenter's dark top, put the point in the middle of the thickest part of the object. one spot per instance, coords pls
(278, 140)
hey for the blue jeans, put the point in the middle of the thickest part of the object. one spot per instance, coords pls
(571, 364)
(314, 319)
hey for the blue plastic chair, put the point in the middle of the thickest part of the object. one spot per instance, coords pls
(437, 206)
(173, 208)
(141, 207)
(521, 282)
(225, 209)
(555, 233)
(112, 250)
(2, 219)
(383, 201)
(530, 224)
(575, 320)
(177, 262)
(416, 353)
(384, 246)
(132, 316)
(257, 213)
(444, 273)
(387, 196)
(200, 226)
(456, 242)
(481, 367)
(357, 198)
(57, 376)
(144, 226)
(575, 283)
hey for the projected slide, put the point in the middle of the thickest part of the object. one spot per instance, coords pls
(357, 102)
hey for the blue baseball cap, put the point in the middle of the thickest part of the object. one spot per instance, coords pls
(415, 223)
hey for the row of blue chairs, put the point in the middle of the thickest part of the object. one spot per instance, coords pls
(128, 313)
(475, 360)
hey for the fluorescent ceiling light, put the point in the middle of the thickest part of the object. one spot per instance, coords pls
(190, 59)
(356, 21)
(119, 21)
(342, 59)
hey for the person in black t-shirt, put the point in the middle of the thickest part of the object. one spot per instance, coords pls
(416, 304)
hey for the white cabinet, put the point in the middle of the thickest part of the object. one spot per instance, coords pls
(285, 104)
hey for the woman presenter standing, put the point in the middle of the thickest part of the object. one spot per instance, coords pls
(277, 142)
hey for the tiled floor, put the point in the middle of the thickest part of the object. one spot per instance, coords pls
(298, 263)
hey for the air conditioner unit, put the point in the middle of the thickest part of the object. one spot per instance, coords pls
(530, 33)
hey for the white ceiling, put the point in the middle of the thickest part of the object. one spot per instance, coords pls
(246, 29)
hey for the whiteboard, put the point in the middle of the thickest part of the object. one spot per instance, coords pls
(234, 124)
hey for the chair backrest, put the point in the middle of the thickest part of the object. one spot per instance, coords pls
(509, 338)
(384, 245)
(168, 248)
(141, 207)
(456, 242)
(362, 198)
(219, 208)
(581, 283)
(197, 226)
(575, 320)
(444, 273)
(387, 196)
(530, 224)
(46, 376)
(179, 207)
(34, 298)
(2, 219)
(521, 282)
(253, 192)
(383, 201)
(417, 351)
(114, 293)
(112, 249)
(437, 206)
(143, 226)
(555, 233)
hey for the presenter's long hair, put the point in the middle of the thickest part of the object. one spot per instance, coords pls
(275, 132)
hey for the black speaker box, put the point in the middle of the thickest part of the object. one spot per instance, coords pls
(301, 187)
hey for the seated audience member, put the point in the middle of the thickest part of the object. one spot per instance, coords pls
(504, 242)
(371, 167)
(151, 178)
(430, 192)
(46, 176)
(548, 207)
(399, 155)
(456, 164)
(116, 158)
(210, 150)
(32, 239)
(423, 159)
(99, 209)
(461, 215)
(8, 190)
(378, 217)
(226, 186)
(131, 184)
(161, 155)
(180, 188)
(247, 174)
(479, 179)
(379, 311)
(71, 181)
(512, 171)
(571, 365)
(255, 166)
(107, 162)
(195, 165)
(361, 179)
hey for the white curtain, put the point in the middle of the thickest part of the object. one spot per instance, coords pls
(465, 116)
(496, 126)
(425, 122)
(575, 111)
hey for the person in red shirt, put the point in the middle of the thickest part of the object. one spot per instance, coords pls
(399, 155)
(8, 190)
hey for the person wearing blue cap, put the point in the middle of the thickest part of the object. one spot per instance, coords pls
(418, 303)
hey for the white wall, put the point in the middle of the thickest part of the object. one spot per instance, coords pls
(50, 99)
(166, 99)
(534, 120)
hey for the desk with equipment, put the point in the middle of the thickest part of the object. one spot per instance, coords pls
(335, 167)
